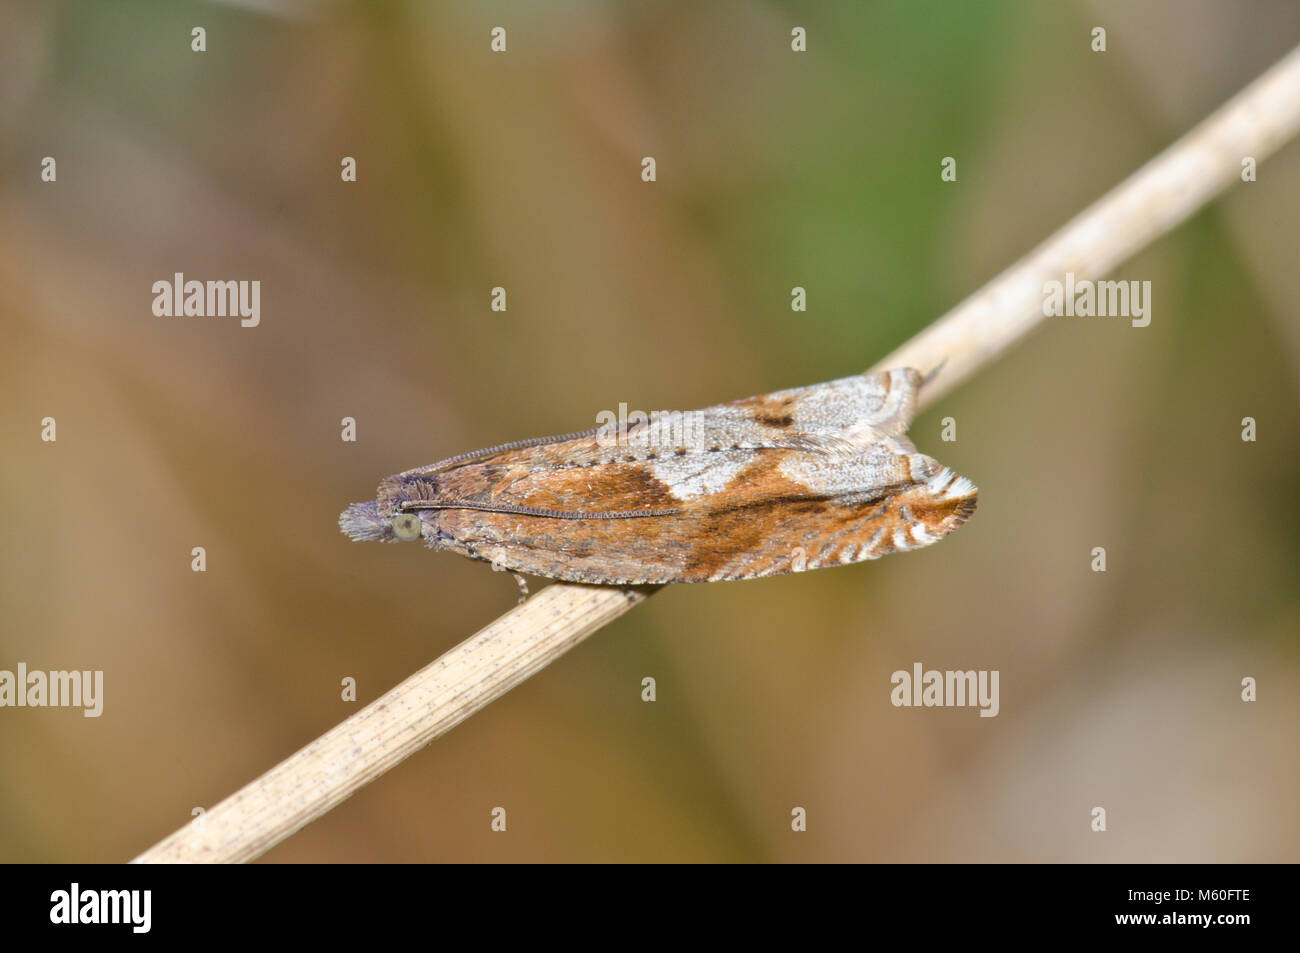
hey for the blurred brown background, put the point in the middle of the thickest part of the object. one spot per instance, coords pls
(775, 169)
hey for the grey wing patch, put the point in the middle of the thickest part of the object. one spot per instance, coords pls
(885, 401)
(858, 407)
(701, 452)
(693, 475)
(716, 429)
(878, 468)
(861, 418)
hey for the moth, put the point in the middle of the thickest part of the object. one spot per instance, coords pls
(798, 479)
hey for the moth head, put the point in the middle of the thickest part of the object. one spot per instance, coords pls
(393, 516)
(364, 521)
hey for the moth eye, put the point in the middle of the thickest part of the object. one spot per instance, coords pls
(406, 526)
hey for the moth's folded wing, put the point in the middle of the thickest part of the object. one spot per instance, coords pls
(738, 514)
(884, 401)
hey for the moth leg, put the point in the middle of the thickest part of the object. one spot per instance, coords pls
(523, 587)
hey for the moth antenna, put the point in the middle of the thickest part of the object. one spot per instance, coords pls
(474, 455)
(411, 505)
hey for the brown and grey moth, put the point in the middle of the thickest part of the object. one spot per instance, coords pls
(798, 479)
